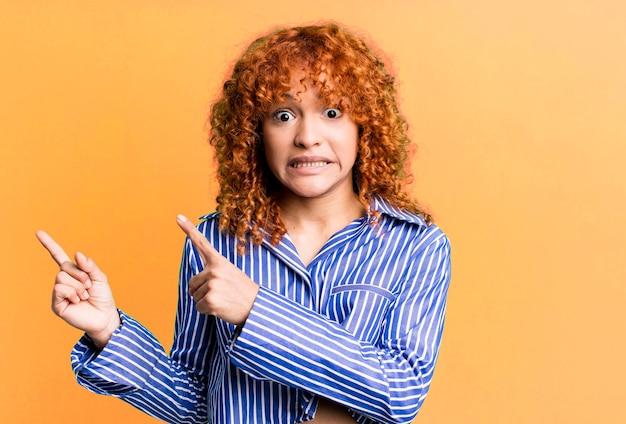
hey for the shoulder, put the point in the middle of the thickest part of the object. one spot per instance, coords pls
(209, 226)
(210, 216)
(410, 226)
(209, 220)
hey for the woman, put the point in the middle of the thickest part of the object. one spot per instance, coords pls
(316, 292)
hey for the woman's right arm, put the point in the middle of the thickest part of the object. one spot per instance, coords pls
(117, 356)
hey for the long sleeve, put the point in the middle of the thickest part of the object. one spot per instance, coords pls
(134, 367)
(385, 381)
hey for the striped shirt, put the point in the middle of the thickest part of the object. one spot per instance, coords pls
(360, 325)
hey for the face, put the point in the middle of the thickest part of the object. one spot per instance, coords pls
(310, 146)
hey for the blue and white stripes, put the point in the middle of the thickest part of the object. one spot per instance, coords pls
(360, 325)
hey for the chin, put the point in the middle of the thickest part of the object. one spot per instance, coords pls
(306, 193)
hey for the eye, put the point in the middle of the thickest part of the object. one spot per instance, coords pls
(332, 113)
(283, 116)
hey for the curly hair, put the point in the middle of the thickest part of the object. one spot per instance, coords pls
(347, 73)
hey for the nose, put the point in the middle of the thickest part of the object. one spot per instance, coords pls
(308, 132)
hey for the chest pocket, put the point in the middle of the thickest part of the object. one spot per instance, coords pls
(360, 308)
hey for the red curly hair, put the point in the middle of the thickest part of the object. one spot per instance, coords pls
(348, 74)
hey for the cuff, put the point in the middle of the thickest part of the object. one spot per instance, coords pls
(123, 365)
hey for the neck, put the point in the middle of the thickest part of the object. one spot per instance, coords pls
(311, 222)
(323, 212)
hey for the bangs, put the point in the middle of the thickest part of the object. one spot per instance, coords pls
(325, 64)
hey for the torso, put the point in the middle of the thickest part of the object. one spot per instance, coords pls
(365, 268)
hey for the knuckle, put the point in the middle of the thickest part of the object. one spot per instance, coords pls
(71, 270)
(63, 278)
(67, 266)
(67, 281)
(206, 304)
(203, 308)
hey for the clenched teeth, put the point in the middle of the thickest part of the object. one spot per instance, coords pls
(308, 164)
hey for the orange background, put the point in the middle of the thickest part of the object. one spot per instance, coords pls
(519, 109)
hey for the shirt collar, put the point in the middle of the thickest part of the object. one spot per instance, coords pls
(384, 207)
(378, 204)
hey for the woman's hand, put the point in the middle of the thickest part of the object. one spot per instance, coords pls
(81, 295)
(221, 289)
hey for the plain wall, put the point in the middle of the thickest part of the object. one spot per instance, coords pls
(519, 111)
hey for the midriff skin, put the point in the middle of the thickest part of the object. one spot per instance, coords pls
(331, 413)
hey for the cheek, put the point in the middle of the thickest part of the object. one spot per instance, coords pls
(276, 142)
(273, 138)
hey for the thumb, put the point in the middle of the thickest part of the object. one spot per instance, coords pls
(89, 266)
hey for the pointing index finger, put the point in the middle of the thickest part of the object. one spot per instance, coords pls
(197, 238)
(56, 251)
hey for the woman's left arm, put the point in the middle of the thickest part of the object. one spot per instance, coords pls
(385, 381)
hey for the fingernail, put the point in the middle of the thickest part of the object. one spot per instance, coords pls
(181, 218)
(88, 284)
